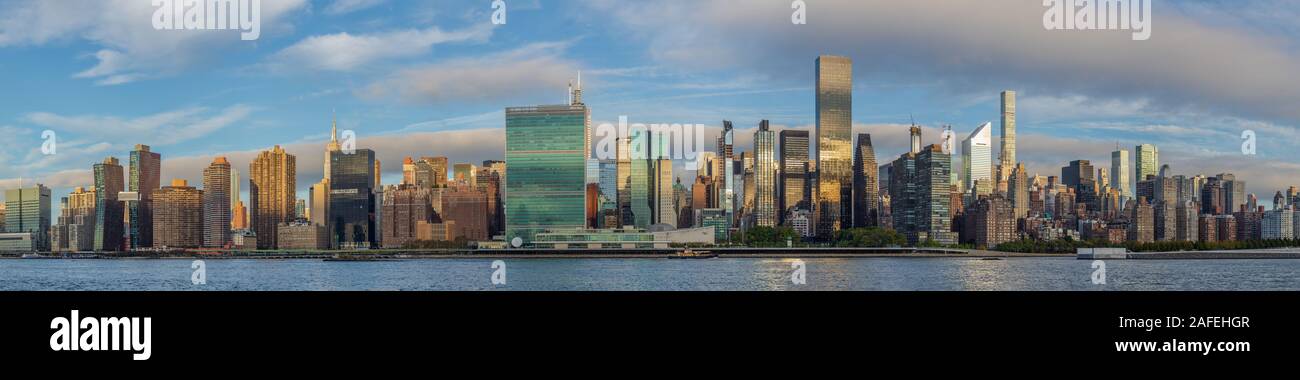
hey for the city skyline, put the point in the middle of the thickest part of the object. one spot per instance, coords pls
(200, 127)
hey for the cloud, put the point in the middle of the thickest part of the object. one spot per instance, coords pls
(347, 52)
(973, 46)
(163, 128)
(507, 76)
(130, 48)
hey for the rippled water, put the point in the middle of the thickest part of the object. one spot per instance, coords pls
(654, 274)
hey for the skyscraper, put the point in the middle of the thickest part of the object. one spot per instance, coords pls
(1119, 173)
(178, 217)
(108, 210)
(271, 186)
(1018, 190)
(216, 206)
(623, 182)
(1148, 161)
(794, 171)
(976, 163)
(765, 211)
(235, 204)
(352, 199)
(1007, 159)
(546, 149)
(641, 182)
(920, 194)
(27, 210)
(1234, 192)
(1078, 173)
(865, 181)
(834, 150)
(725, 170)
(665, 212)
(146, 173)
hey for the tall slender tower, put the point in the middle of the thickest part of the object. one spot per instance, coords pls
(834, 149)
(623, 167)
(664, 210)
(765, 175)
(216, 206)
(146, 173)
(234, 199)
(272, 182)
(724, 179)
(1007, 162)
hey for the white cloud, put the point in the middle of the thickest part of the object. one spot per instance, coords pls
(518, 74)
(975, 46)
(162, 129)
(347, 52)
(130, 48)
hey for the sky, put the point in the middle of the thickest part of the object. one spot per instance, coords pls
(426, 78)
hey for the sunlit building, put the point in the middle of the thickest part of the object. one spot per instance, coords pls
(834, 152)
(272, 178)
(178, 216)
(216, 203)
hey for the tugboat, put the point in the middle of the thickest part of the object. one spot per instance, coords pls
(691, 254)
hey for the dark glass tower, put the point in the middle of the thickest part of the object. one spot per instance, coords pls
(865, 180)
(352, 199)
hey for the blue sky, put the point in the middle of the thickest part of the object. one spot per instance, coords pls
(419, 78)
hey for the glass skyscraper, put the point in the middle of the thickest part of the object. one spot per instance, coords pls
(1148, 162)
(921, 196)
(145, 178)
(794, 171)
(1119, 173)
(546, 152)
(641, 181)
(352, 199)
(108, 210)
(834, 147)
(865, 182)
(977, 161)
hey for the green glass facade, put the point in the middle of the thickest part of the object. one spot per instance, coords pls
(546, 154)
